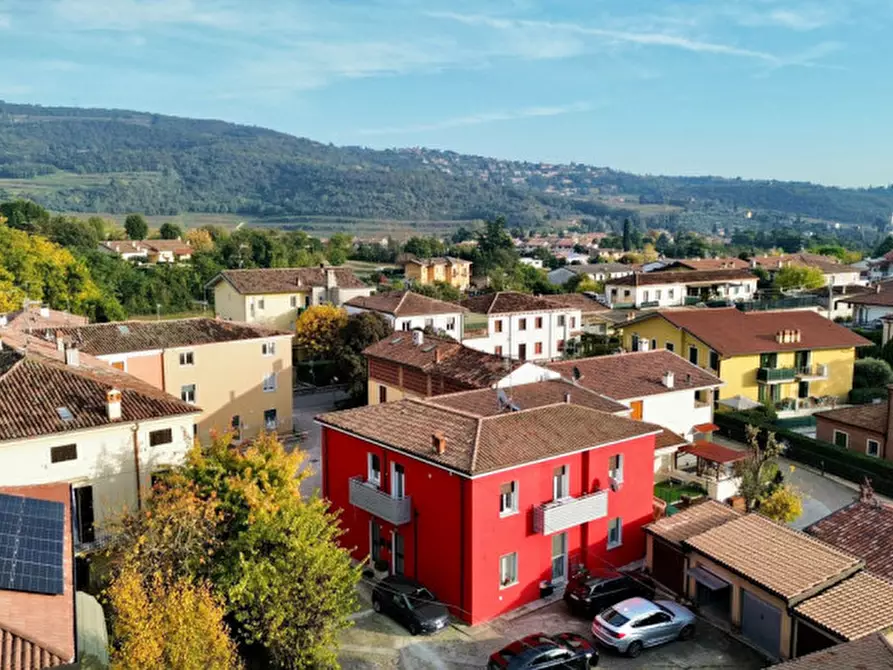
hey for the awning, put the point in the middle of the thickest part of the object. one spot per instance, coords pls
(706, 428)
(708, 579)
(740, 403)
(715, 453)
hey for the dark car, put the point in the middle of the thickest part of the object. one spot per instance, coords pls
(409, 603)
(588, 593)
(565, 651)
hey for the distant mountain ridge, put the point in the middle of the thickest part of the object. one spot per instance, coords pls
(119, 161)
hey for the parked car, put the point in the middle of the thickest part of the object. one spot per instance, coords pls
(410, 604)
(588, 593)
(564, 651)
(634, 624)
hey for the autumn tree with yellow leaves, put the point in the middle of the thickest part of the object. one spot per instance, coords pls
(318, 328)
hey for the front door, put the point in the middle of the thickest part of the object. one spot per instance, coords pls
(83, 504)
(522, 352)
(559, 557)
(803, 390)
(398, 554)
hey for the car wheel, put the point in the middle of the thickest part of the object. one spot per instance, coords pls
(687, 632)
(414, 629)
(376, 605)
(634, 649)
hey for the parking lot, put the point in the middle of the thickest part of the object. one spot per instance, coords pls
(378, 642)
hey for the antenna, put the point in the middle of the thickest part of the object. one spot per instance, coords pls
(502, 400)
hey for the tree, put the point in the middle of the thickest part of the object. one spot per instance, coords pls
(170, 231)
(439, 290)
(755, 471)
(799, 277)
(200, 240)
(627, 239)
(338, 248)
(362, 330)
(884, 247)
(136, 227)
(871, 373)
(784, 504)
(318, 328)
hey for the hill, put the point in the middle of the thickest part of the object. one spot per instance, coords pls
(116, 161)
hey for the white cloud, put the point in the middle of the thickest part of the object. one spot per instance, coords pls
(5, 21)
(481, 118)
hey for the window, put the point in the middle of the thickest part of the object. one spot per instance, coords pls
(560, 346)
(235, 423)
(373, 467)
(260, 303)
(307, 301)
(187, 358)
(873, 448)
(657, 294)
(497, 350)
(671, 346)
(560, 321)
(508, 570)
(163, 436)
(429, 323)
(293, 301)
(671, 293)
(538, 322)
(560, 483)
(83, 510)
(615, 467)
(268, 349)
(693, 355)
(634, 342)
(382, 394)
(626, 293)
(573, 322)
(451, 323)
(67, 452)
(497, 326)
(538, 348)
(615, 533)
(270, 420)
(645, 296)
(714, 361)
(522, 324)
(508, 499)
(187, 393)
(270, 382)
(769, 360)
(841, 439)
(398, 481)
(653, 344)
(406, 325)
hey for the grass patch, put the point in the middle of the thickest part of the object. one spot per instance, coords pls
(670, 491)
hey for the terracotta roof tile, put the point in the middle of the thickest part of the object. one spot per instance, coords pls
(881, 295)
(872, 652)
(177, 247)
(864, 529)
(712, 264)
(732, 332)
(580, 301)
(485, 402)
(783, 561)
(715, 453)
(669, 439)
(686, 277)
(438, 260)
(508, 302)
(101, 339)
(692, 521)
(826, 264)
(636, 375)
(872, 417)
(286, 280)
(856, 607)
(404, 303)
(32, 320)
(476, 445)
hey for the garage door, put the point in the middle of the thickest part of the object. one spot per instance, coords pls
(761, 623)
(668, 566)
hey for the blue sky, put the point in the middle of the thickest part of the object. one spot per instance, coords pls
(787, 89)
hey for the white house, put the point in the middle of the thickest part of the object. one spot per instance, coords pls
(671, 289)
(524, 327)
(873, 305)
(407, 310)
(595, 271)
(67, 417)
(531, 262)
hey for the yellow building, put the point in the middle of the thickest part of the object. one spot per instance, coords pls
(453, 271)
(773, 356)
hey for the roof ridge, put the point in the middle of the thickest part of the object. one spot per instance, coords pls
(477, 442)
(406, 292)
(803, 535)
(427, 402)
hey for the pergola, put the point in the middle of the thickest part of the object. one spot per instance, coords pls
(713, 459)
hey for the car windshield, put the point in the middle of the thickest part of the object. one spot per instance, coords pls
(423, 594)
(664, 609)
(419, 597)
(614, 617)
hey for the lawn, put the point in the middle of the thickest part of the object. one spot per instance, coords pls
(671, 491)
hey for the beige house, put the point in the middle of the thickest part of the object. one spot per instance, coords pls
(240, 375)
(453, 271)
(275, 296)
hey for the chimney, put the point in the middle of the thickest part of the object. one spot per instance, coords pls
(877, 289)
(45, 311)
(866, 491)
(72, 356)
(113, 404)
(439, 442)
(669, 379)
(438, 355)
(779, 336)
(331, 282)
(418, 338)
(567, 398)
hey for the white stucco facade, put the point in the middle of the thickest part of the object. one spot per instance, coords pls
(674, 294)
(677, 411)
(530, 336)
(451, 324)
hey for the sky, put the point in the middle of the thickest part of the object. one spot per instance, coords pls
(782, 89)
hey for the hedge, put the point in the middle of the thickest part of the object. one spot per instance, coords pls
(827, 457)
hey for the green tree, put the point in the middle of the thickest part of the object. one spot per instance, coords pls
(136, 227)
(361, 330)
(439, 290)
(885, 247)
(756, 471)
(627, 237)
(170, 231)
(872, 373)
(799, 277)
(339, 248)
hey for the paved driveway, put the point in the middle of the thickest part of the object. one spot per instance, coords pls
(305, 408)
(821, 495)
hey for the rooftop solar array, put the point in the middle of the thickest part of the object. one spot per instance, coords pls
(31, 544)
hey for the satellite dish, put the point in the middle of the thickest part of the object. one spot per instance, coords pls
(576, 373)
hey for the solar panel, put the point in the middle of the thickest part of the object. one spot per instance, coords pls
(31, 544)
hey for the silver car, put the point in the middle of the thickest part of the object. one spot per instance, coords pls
(636, 623)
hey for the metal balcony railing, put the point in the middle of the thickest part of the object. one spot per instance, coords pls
(559, 515)
(819, 371)
(372, 499)
(776, 375)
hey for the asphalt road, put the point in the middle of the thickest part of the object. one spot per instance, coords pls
(305, 408)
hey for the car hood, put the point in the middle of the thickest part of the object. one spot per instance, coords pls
(431, 612)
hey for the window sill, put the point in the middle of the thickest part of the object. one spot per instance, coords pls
(615, 545)
(503, 587)
(504, 515)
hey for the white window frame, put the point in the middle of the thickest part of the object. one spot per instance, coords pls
(561, 484)
(268, 348)
(293, 301)
(671, 294)
(394, 480)
(429, 322)
(616, 473)
(373, 476)
(261, 303)
(508, 570)
(877, 448)
(451, 323)
(184, 396)
(560, 321)
(618, 522)
(845, 434)
(511, 507)
(187, 358)
(269, 382)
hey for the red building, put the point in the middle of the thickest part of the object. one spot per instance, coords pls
(481, 500)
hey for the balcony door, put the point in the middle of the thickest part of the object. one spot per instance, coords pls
(397, 557)
(522, 352)
(559, 557)
(398, 481)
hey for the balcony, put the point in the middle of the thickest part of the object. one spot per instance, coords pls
(396, 511)
(776, 375)
(813, 372)
(560, 515)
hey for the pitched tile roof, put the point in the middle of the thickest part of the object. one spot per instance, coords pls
(445, 357)
(872, 417)
(786, 562)
(479, 445)
(864, 529)
(485, 402)
(732, 332)
(873, 652)
(636, 375)
(102, 339)
(439, 260)
(124, 246)
(32, 319)
(581, 301)
(285, 280)
(692, 521)
(49, 384)
(881, 295)
(856, 607)
(715, 453)
(826, 264)
(689, 277)
(36, 629)
(669, 439)
(508, 302)
(404, 303)
(177, 247)
(712, 263)
(599, 268)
